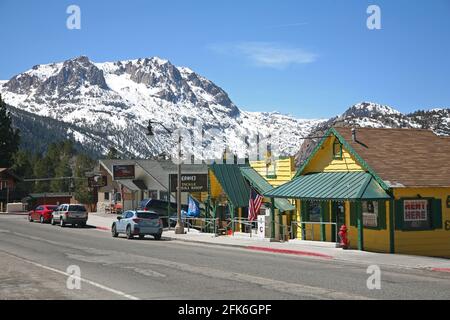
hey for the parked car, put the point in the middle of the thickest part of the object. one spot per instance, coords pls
(73, 214)
(161, 207)
(138, 223)
(42, 213)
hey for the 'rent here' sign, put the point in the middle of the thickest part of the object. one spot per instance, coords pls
(415, 210)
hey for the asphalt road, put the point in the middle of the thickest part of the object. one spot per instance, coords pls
(34, 261)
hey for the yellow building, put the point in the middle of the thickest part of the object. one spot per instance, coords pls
(390, 187)
(229, 192)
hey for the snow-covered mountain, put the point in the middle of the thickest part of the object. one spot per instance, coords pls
(373, 115)
(102, 105)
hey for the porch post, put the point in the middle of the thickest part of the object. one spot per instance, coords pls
(272, 217)
(240, 218)
(298, 219)
(391, 227)
(280, 224)
(360, 226)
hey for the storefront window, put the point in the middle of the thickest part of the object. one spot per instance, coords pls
(314, 211)
(416, 214)
(164, 195)
(153, 194)
(370, 213)
(3, 184)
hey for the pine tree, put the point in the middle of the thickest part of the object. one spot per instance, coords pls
(23, 168)
(40, 170)
(9, 137)
(112, 153)
(83, 193)
(62, 170)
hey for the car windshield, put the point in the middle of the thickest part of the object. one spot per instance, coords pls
(147, 215)
(76, 208)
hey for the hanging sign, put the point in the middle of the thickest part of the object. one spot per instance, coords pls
(97, 181)
(123, 172)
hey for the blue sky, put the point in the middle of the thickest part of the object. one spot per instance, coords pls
(306, 58)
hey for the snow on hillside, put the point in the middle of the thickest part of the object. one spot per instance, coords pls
(110, 103)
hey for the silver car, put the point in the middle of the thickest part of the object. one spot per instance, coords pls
(73, 214)
(138, 223)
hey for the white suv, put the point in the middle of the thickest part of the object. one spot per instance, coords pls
(74, 214)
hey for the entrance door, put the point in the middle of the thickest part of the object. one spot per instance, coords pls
(338, 216)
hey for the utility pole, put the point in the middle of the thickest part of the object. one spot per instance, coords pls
(179, 228)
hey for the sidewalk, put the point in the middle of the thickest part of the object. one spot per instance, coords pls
(311, 249)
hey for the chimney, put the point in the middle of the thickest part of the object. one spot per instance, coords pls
(353, 134)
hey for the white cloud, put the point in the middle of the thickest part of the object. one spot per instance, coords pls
(266, 54)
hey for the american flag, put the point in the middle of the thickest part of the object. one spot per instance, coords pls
(254, 204)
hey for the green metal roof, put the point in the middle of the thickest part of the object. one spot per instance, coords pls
(261, 185)
(331, 186)
(233, 183)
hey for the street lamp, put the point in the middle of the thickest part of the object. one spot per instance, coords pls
(179, 228)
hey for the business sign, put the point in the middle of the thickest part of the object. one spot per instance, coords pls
(415, 210)
(123, 172)
(261, 226)
(196, 182)
(97, 181)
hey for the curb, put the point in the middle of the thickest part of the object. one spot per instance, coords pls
(101, 228)
(13, 213)
(288, 251)
(441, 269)
(295, 252)
(256, 248)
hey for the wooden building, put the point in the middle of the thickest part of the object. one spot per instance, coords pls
(390, 187)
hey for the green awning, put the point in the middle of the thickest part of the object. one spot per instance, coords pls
(261, 185)
(233, 183)
(331, 186)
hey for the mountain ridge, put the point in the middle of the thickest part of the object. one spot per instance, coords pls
(108, 104)
(110, 98)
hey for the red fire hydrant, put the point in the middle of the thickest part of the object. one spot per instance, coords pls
(344, 239)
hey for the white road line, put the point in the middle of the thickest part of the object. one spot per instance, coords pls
(92, 283)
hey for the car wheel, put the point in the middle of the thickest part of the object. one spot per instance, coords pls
(141, 236)
(157, 236)
(41, 219)
(82, 225)
(114, 231)
(29, 218)
(129, 234)
(53, 222)
(61, 222)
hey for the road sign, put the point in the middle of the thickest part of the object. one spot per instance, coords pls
(196, 182)
(123, 172)
(99, 181)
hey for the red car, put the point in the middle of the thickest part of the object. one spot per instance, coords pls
(42, 213)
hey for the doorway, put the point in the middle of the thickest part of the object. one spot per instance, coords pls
(338, 216)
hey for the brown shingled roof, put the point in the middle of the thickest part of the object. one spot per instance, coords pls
(410, 157)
